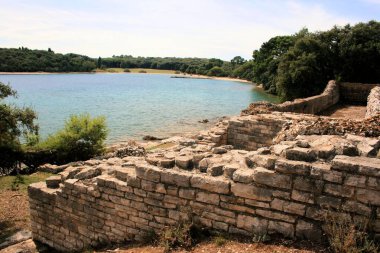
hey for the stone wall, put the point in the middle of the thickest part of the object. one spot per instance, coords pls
(253, 132)
(373, 104)
(309, 105)
(355, 93)
(314, 104)
(285, 189)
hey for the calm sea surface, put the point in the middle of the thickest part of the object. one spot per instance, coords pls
(134, 104)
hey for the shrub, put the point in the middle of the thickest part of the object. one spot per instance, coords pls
(177, 236)
(82, 138)
(347, 237)
(220, 240)
(142, 71)
(127, 70)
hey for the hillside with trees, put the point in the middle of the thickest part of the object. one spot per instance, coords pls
(26, 60)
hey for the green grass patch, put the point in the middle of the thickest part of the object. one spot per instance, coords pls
(21, 182)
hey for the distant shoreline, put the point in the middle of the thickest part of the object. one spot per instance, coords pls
(190, 76)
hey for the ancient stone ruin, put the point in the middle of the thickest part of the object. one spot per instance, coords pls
(267, 171)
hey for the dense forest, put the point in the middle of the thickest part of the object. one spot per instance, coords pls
(292, 66)
(25, 60)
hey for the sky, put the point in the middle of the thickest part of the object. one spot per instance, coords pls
(182, 28)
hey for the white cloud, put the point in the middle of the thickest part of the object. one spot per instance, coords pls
(202, 28)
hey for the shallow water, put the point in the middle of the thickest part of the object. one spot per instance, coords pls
(134, 104)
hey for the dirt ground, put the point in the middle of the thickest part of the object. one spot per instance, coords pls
(14, 212)
(231, 246)
(345, 111)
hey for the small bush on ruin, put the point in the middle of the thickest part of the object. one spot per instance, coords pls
(177, 236)
(220, 240)
(345, 236)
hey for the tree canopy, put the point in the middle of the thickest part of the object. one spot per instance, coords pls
(300, 65)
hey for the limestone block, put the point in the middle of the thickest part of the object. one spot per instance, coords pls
(303, 196)
(175, 177)
(317, 170)
(328, 202)
(203, 164)
(356, 207)
(355, 180)
(368, 196)
(220, 225)
(167, 163)
(276, 215)
(229, 170)
(283, 228)
(255, 203)
(243, 175)
(251, 192)
(266, 161)
(237, 208)
(280, 149)
(184, 162)
(53, 181)
(148, 172)
(325, 151)
(69, 173)
(271, 178)
(339, 190)
(333, 176)
(210, 198)
(292, 167)
(215, 169)
(252, 224)
(212, 184)
(301, 154)
(361, 165)
(288, 207)
(219, 150)
(374, 183)
(187, 193)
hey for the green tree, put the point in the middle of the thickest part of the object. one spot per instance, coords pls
(304, 70)
(99, 63)
(216, 71)
(15, 123)
(267, 58)
(238, 60)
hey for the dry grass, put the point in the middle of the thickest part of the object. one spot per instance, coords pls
(346, 236)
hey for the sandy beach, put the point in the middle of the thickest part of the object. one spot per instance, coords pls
(105, 72)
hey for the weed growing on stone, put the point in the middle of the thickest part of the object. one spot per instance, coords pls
(177, 236)
(345, 236)
(220, 240)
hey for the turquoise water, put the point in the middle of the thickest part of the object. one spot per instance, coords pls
(134, 104)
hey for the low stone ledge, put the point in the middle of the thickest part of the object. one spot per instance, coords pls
(360, 165)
